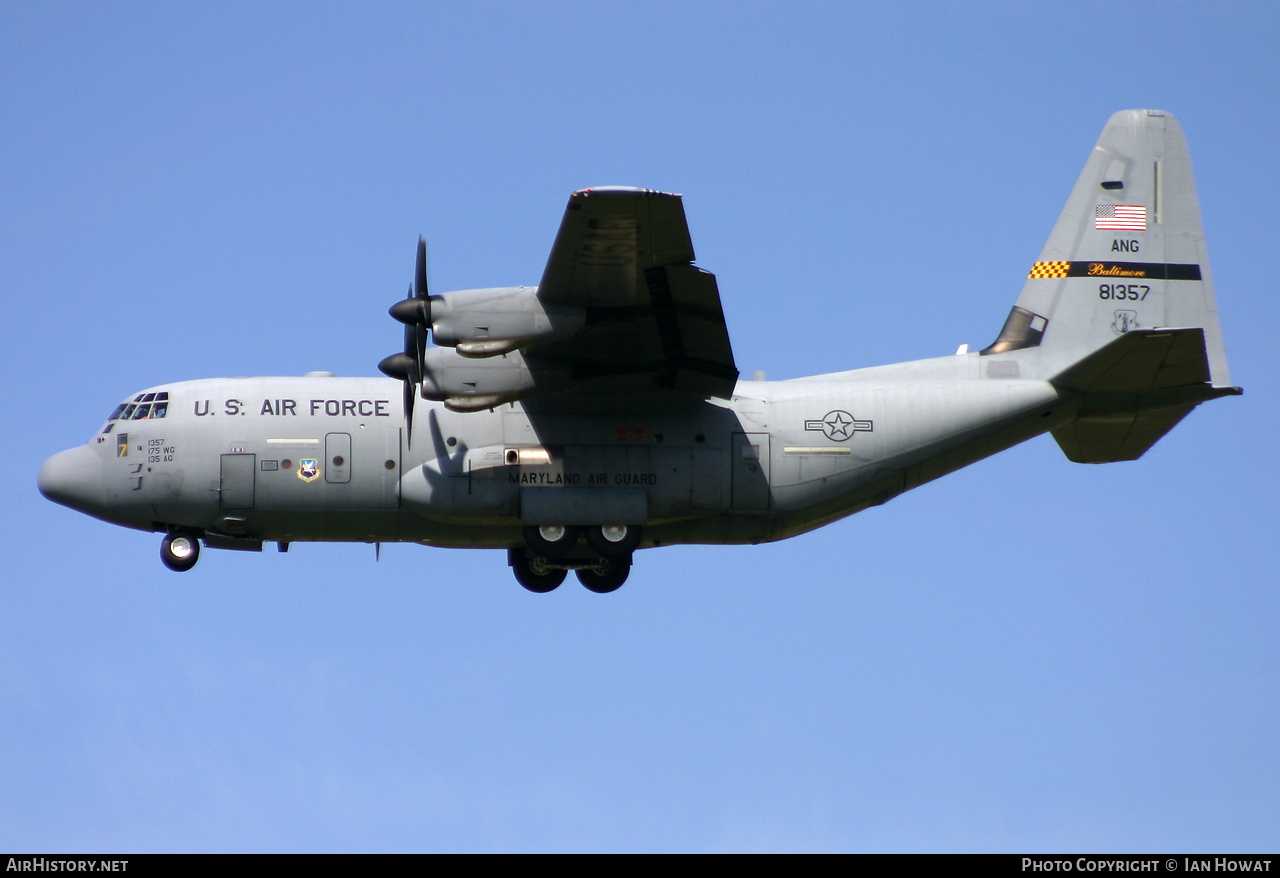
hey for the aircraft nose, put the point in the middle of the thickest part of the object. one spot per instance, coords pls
(73, 478)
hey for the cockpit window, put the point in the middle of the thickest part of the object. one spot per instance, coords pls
(142, 407)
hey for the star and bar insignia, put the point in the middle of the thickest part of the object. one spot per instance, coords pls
(838, 425)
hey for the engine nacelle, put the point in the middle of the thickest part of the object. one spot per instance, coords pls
(489, 323)
(467, 384)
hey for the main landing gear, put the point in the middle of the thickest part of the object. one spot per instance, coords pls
(551, 540)
(553, 551)
(535, 572)
(605, 576)
(180, 551)
(614, 540)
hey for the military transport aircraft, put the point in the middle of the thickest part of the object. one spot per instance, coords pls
(600, 412)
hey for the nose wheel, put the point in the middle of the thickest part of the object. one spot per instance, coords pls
(180, 552)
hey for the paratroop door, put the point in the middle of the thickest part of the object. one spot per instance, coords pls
(237, 480)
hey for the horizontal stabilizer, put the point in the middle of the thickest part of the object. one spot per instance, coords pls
(1133, 391)
(1141, 360)
(1125, 436)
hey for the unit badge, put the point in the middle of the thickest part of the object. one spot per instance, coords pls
(838, 425)
(1125, 321)
(309, 469)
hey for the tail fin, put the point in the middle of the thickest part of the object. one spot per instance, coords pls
(1125, 258)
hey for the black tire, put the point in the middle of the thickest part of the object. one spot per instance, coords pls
(180, 552)
(551, 540)
(614, 540)
(533, 574)
(607, 576)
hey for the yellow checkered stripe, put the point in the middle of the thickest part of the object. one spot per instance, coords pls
(1049, 269)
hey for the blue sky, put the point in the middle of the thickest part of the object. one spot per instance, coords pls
(1028, 655)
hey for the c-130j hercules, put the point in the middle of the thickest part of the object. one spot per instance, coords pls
(600, 412)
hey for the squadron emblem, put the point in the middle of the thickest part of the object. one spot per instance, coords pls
(309, 469)
(1125, 321)
(838, 425)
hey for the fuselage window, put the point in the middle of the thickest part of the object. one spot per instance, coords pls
(159, 409)
(141, 412)
(117, 412)
(149, 397)
(128, 412)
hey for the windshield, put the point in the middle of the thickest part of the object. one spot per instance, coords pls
(143, 406)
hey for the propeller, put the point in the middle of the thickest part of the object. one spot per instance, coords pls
(415, 313)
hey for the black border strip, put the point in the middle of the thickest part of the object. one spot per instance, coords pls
(1149, 270)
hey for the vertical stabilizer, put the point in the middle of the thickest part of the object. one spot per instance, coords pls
(1127, 253)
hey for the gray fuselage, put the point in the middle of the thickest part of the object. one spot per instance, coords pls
(246, 460)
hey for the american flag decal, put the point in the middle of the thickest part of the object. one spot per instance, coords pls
(1131, 217)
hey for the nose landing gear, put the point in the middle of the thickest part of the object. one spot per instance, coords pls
(180, 551)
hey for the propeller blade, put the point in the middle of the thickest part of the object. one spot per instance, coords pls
(420, 274)
(419, 352)
(412, 375)
(410, 391)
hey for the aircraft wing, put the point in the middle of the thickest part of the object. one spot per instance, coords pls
(654, 319)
